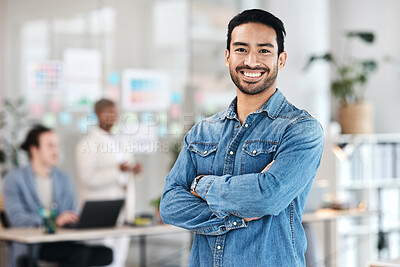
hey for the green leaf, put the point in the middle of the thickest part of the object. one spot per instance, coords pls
(369, 65)
(328, 57)
(367, 37)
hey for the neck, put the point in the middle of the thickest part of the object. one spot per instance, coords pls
(247, 104)
(40, 169)
(105, 128)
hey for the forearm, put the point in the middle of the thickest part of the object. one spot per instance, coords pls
(180, 208)
(21, 218)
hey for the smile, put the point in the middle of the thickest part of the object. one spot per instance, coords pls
(252, 74)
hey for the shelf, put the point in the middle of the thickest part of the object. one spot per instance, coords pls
(359, 230)
(368, 138)
(375, 184)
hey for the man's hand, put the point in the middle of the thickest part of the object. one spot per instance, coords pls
(256, 218)
(67, 217)
(268, 166)
(125, 167)
(137, 169)
(195, 194)
(251, 219)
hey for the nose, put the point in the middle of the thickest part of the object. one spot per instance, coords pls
(251, 60)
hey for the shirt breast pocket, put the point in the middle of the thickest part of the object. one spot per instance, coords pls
(257, 155)
(203, 155)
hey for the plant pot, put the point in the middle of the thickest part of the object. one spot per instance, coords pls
(357, 118)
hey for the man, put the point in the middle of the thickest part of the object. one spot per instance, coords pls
(243, 175)
(107, 169)
(39, 186)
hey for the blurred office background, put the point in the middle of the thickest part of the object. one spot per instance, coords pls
(162, 61)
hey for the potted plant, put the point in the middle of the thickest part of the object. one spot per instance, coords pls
(13, 120)
(348, 86)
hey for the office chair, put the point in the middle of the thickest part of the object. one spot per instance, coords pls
(3, 219)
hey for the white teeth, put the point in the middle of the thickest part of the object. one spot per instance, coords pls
(251, 74)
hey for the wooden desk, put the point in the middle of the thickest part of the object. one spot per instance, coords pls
(31, 236)
(385, 263)
(330, 214)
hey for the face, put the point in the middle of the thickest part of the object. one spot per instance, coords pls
(253, 59)
(48, 150)
(108, 117)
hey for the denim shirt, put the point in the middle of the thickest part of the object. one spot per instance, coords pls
(232, 156)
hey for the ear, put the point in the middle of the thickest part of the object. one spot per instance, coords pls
(227, 54)
(282, 60)
(33, 150)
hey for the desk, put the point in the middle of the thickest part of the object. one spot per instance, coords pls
(385, 263)
(326, 216)
(31, 236)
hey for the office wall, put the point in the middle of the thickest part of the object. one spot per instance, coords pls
(382, 18)
(309, 30)
(1, 48)
(307, 33)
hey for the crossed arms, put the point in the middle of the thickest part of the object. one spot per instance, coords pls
(227, 202)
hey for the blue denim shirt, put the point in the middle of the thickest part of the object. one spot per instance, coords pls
(231, 156)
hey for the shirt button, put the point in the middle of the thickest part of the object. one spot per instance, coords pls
(254, 151)
(246, 125)
(205, 152)
(234, 223)
(219, 247)
(231, 152)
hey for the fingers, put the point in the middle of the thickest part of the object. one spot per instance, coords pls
(268, 166)
(67, 217)
(137, 169)
(124, 166)
(251, 219)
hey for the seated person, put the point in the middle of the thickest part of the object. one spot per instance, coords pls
(41, 185)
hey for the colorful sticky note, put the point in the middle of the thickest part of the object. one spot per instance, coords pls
(54, 106)
(36, 110)
(162, 130)
(114, 78)
(199, 97)
(175, 111)
(113, 93)
(83, 125)
(49, 120)
(129, 117)
(163, 117)
(65, 118)
(148, 117)
(92, 118)
(176, 98)
(176, 128)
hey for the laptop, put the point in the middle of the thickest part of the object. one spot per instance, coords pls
(98, 214)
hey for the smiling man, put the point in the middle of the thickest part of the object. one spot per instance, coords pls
(243, 175)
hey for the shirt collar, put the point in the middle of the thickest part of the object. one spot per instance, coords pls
(272, 107)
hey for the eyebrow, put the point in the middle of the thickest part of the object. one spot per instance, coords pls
(259, 45)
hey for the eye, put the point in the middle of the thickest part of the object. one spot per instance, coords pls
(264, 51)
(242, 50)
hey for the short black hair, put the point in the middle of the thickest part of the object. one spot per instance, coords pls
(32, 138)
(103, 103)
(262, 17)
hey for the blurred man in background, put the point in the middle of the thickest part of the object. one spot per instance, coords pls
(41, 185)
(107, 170)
